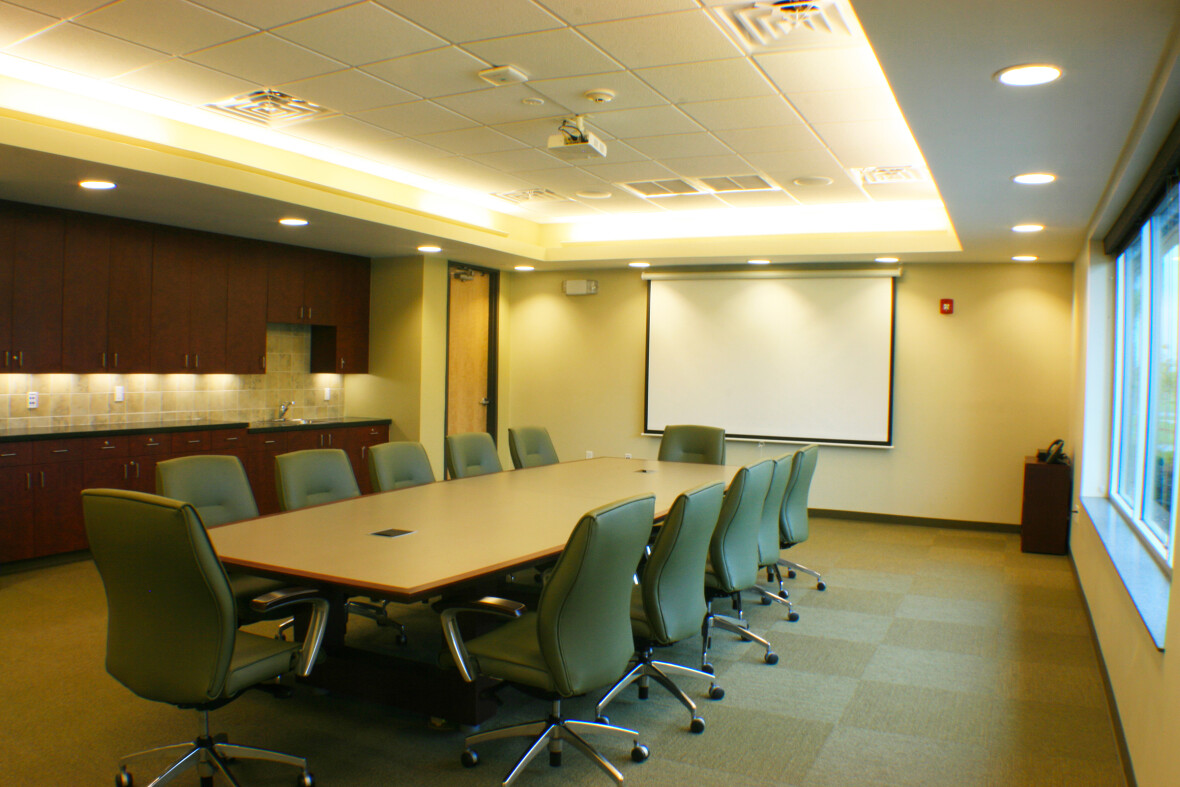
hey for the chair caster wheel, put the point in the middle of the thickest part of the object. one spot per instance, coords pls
(697, 725)
(554, 759)
(771, 658)
(469, 759)
(784, 595)
(764, 601)
(401, 639)
(716, 692)
(305, 780)
(820, 586)
(792, 616)
(123, 779)
(707, 668)
(643, 692)
(602, 719)
(640, 753)
(790, 575)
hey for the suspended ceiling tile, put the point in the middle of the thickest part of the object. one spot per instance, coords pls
(499, 105)
(663, 39)
(570, 92)
(841, 68)
(893, 192)
(340, 132)
(630, 171)
(62, 9)
(690, 202)
(645, 122)
(405, 153)
(439, 72)
(679, 146)
(785, 166)
(844, 106)
(708, 81)
(557, 209)
(579, 12)
(624, 203)
(416, 118)
(186, 82)
(708, 166)
(473, 141)
(461, 20)
(172, 26)
(835, 194)
(565, 180)
(546, 55)
(17, 23)
(768, 140)
(271, 13)
(86, 52)
(873, 143)
(360, 34)
(348, 91)
(758, 199)
(522, 160)
(473, 175)
(743, 113)
(265, 59)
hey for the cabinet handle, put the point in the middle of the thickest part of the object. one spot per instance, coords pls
(194, 441)
(197, 361)
(363, 451)
(230, 439)
(136, 469)
(42, 479)
(59, 451)
(104, 360)
(20, 359)
(28, 480)
(309, 312)
(125, 472)
(12, 454)
(341, 363)
(269, 442)
(301, 312)
(6, 359)
(116, 360)
(262, 361)
(152, 444)
(186, 360)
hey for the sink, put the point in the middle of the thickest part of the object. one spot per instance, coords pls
(289, 421)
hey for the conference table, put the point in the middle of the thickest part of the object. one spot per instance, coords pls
(435, 540)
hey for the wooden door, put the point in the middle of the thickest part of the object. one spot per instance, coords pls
(86, 278)
(37, 291)
(284, 285)
(245, 348)
(57, 492)
(470, 337)
(17, 523)
(208, 316)
(129, 315)
(170, 303)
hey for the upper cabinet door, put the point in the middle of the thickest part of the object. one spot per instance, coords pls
(129, 316)
(170, 302)
(245, 347)
(37, 291)
(7, 229)
(86, 278)
(209, 291)
(323, 280)
(284, 280)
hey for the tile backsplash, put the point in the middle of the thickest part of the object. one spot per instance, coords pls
(89, 399)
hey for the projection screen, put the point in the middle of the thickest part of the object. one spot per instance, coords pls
(791, 357)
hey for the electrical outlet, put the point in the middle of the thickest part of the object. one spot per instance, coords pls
(589, 454)
(120, 393)
(33, 398)
(327, 394)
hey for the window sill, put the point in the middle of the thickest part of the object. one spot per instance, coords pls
(1148, 584)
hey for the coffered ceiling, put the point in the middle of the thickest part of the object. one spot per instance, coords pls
(767, 131)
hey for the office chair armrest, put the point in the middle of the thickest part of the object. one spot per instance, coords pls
(316, 626)
(488, 605)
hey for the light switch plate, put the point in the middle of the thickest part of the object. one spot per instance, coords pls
(120, 393)
(327, 394)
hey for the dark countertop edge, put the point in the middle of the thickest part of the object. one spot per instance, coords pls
(19, 435)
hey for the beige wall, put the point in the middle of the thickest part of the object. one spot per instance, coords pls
(974, 393)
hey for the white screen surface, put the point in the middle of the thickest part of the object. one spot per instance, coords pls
(797, 359)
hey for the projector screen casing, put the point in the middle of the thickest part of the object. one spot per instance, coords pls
(785, 358)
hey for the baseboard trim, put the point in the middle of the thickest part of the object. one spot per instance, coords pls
(34, 563)
(921, 521)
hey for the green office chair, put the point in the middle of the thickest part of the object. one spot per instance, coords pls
(703, 445)
(577, 640)
(530, 446)
(793, 524)
(399, 465)
(668, 605)
(470, 453)
(172, 624)
(324, 475)
(733, 556)
(768, 534)
(217, 487)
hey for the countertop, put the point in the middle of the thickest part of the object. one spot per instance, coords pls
(23, 433)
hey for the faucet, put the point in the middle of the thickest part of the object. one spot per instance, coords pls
(283, 407)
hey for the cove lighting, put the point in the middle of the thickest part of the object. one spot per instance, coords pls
(429, 249)
(524, 268)
(885, 259)
(1034, 178)
(292, 222)
(96, 185)
(1024, 258)
(1028, 75)
(1028, 228)
(758, 262)
(639, 264)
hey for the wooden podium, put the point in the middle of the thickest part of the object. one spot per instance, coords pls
(1045, 516)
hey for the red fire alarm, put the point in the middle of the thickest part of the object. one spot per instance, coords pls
(946, 306)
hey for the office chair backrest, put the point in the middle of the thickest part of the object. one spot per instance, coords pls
(793, 522)
(317, 475)
(674, 575)
(171, 619)
(470, 453)
(733, 550)
(531, 446)
(398, 465)
(772, 510)
(583, 614)
(689, 443)
(215, 485)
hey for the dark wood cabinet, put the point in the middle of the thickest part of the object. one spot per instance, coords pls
(259, 461)
(1045, 511)
(245, 349)
(57, 489)
(85, 294)
(129, 299)
(189, 303)
(360, 440)
(18, 526)
(34, 245)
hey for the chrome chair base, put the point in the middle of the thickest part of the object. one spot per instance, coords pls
(549, 734)
(795, 567)
(733, 625)
(768, 597)
(375, 610)
(647, 668)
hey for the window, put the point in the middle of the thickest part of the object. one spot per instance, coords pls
(1143, 468)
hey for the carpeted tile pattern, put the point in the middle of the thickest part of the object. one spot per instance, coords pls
(935, 657)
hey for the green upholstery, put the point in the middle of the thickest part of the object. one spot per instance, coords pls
(398, 465)
(733, 550)
(312, 477)
(579, 637)
(470, 453)
(772, 510)
(793, 524)
(531, 446)
(688, 443)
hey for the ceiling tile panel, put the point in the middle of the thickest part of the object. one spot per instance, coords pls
(645, 122)
(842, 68)
(892, 192)
(17, 23)
(473, 141)
(439, 72)
(709, 81)
(630, 171)
(709, 166)
(340, 132)
(265, 59)
(473, 175)
(499, 105)
(186, 82)
(348, 91)
(564, 180)
(522, 160)
(461, 20)
(742, 113)
(874, 143)
(690, 202)
(785, 166)
(359, 34)
(759, 199)
(172, 26)
(663, 39)
(835, 194)
(62, 9)
(578, 12)
(84, 51)
(770, 139)
(630, 92)
(845, 106)
(679, 146)
(416, 119)
(272, 13)
(546, 55)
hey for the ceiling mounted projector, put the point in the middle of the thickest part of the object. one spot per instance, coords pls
(573, 142)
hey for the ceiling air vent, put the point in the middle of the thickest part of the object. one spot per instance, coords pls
(661, 188)
(269, 108)
(765, 24)
(876, 176)
(530, 195)
(737, 183)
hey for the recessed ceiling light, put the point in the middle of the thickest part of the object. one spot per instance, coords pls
(885, 259)
(813, 180)
(593, 194)
(639, 264)
(1024, 258)
(429, 249)
(524, 268)
(1028, 228)
(1028, 75)
(96, 185)
(1034, 178)
(758, 262)
(292, 222)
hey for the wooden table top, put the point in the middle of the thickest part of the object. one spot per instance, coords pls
(459, 529)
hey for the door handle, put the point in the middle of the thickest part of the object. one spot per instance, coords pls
(485, 401)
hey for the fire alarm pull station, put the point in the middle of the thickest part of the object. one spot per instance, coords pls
(946, 306)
